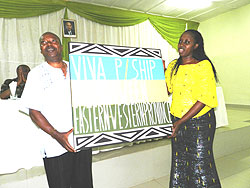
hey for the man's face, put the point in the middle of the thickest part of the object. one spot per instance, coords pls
(68, 26)
(51, 47)
(22, 72)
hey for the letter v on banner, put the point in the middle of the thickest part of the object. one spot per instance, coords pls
(119, 94)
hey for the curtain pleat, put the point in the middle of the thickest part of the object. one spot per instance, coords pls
(169, 28)
(29, 8)
(19, 41)
(23, 21)
(106, 16)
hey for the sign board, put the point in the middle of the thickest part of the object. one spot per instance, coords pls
(118, 94)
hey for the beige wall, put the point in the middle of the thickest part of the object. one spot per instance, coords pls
(227, 44)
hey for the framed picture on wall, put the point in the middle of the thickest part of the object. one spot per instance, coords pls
(69, 28)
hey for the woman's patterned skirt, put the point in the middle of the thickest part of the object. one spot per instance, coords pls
(193, 163)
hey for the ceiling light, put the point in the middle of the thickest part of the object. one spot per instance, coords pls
(189, 4)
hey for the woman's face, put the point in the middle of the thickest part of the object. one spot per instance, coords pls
(186, 45)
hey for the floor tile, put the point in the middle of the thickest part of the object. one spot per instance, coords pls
(234, 169)
(240, 180)
(150, 184)
(164, 181)
(227, 167)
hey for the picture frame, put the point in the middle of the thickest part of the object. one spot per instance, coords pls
(69, 28)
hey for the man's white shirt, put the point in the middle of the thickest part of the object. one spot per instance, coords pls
(47, 90)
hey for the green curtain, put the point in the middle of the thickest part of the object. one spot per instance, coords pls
(65, 41)
(192, 25)
(28, 8)
(169, 28)
(107, 16)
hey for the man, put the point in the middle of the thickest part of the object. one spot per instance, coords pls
(47, 95)
(18, 83)
(69, 30)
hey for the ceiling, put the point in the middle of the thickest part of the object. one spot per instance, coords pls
(160, 7)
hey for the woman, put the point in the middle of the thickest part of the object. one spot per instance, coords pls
(192, 81)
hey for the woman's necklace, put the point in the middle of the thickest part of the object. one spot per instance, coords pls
(190, 61)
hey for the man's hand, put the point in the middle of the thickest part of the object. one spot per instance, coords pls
(62, 138)
(5, 94)
(23, 78)
(42, 122)
(19, 76)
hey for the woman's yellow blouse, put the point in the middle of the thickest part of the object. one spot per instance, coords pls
(192, 83)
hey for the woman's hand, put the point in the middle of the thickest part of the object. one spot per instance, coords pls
(175, 129)
(195, 109)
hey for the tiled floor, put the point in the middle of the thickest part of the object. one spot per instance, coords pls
(233, 170)
(238, 116)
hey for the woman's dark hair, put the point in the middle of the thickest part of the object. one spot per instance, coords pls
(198, 53)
